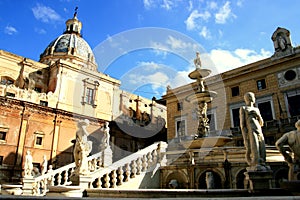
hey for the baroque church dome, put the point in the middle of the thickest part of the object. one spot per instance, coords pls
(70, 46)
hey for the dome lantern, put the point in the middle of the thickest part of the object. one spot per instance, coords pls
(74, 25)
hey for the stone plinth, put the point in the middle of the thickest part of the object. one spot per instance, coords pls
(80, 180)
(107, 157)
(259, 180)
(65, 191)
(10, 189)
(28, 183)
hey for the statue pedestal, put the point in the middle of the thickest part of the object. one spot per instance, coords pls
(259, 180)
(107, 157)
(80, 180)
(28, 183)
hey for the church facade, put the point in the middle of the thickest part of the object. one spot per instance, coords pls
(42, 101)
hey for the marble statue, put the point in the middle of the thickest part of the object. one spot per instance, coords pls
(44, 165)
(106, 136)
(292, 139)
(209, 179)
(83, 147)
(281, 42)
(251, 123)
(197, 61)
(28, 167)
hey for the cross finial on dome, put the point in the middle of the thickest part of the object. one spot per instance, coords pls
(75, 13)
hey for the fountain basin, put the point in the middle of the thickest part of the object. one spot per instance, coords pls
(199, 73)
(206, 142)
(206, 96)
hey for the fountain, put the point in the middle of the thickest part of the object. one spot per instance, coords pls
(200, 99)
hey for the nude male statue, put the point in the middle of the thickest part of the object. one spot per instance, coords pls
(292, 139)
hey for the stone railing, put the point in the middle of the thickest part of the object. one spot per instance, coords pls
(58, 177)
(127, 168)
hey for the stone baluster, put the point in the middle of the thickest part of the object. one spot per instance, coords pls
(150, 158)
(113, 179)
(59, 176)
(66, 176)
(44, 186)
(99, 162)
(133, 169)
(154, 156)
(99, 183)
(144, 163)
(127, 172)
(120, 175)
(106, 181)
(138, 166)
(50, 180)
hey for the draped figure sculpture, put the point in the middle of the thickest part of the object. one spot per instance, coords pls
(292, 139)
(82, 149)
(251, 123)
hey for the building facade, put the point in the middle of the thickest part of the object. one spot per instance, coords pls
(42, 101)
(275, 81)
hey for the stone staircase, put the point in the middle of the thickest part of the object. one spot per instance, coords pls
(128, 172)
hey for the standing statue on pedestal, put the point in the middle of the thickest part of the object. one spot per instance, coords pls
(82, 148)
(251, 123)
(292, 139)
(28, 166)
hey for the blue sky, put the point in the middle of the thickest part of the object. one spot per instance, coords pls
(149, 44)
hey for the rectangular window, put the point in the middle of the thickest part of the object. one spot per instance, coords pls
(234, 110)
(293, 105)
(9, 94)
(1, 160)
(235, 91)
(180, 128)
(261, 84)
(43, 103)
(90, 92)
(89, 96)
(265, 109)
(2, 135)
(179, 106)
(236, 117)
(39, 140)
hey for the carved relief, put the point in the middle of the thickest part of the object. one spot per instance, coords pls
(289, 77)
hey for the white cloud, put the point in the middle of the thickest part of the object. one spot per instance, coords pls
(40, 30)
(224, 13)
(212, 5)
(167, 4)
(148, 4)
(205, 33)
(45, 14)
(225, 60)
(190, 6)
(10, 30)
(191, 21)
